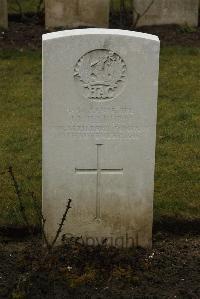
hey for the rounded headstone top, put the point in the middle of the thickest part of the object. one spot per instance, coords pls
(100, 31)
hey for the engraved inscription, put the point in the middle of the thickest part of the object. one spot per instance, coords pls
(100, 75)
(101, 122)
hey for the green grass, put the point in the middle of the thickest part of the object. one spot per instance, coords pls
(178, 141)
(20, 128)
(116, 4)
(27, 6)
(177, 181)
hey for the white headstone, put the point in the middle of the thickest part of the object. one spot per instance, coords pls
(99, 132)
(3, 14)
(76, 13)
(166, 12)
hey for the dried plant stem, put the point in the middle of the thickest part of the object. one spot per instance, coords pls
(68, 207)
(41, 218)
(140, 15)
(39, 212)
(18, 193)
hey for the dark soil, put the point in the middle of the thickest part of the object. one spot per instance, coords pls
(22, 36)
(170, 270)
(175, 35)
(28, 35)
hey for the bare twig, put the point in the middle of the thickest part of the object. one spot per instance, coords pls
(39, 213)
(18, 193)
(140, 15)
(68, 207)
(12, 8)
(147, 9)
(41, 218)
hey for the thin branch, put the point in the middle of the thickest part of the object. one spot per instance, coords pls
(40, 217)
(12, 8)
(147, 9)
(135, 10)
(68, 207)
(140, 15)
(18, 193)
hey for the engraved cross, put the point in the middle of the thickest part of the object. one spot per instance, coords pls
(98, 171)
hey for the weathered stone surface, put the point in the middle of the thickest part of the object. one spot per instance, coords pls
(77, 13)
(166, 12)
(3, 14)
(99, 132)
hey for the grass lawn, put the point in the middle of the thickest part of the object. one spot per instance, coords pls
(26, 5)
(20, 129)
(177, 175)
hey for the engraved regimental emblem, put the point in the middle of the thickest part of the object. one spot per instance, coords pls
(100, 75)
